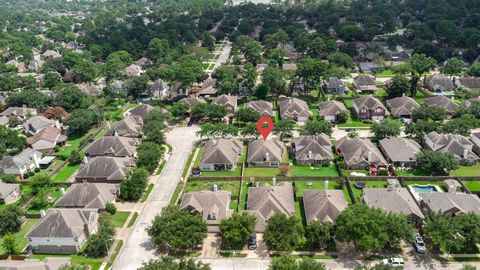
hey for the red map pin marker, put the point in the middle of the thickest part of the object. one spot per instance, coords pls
(265, 126)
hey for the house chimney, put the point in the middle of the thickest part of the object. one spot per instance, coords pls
(267, 156)
(62, 191)
(369, 156)
(465, 153)
(326, 184)
(85, 160)
(274, 181)
(42, 213)
(310, 154)
(452, 98)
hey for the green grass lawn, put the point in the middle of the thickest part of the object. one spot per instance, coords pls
(189, 161)
(114, 255)
(385, 73)
(236, 172)
(55, 193)
(94, 263)
(267, 172)
(467, 171)
(133, 220)
(119, 219)
(301, 185)
(199, 156)
(65, 173)
(147, 192)
(369, 184)
(316, 171)
(20, 236)
(473, 186)
(176, 193)
(412, 172)
(201, 185)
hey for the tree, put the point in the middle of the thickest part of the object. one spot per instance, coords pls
(29, 98)
(133, 187)
(99, 243)
(398, 86)
(442, 231)
(386, 128)
(469, 267)
(249, 75)
(111, 208)
(252, 52)
(418, 130)
(75, 157)
(57, 113)
(246, 115)
(261, 91)
(210, 112)
(317, 127)
(176, 229)
(10, 220)
(284, 128)
(74, 267)
(282, 233)
(158, 50)
(420, 64)
(436, 163)
(474, 70)
(283, 262)
(116, 63)
(342, 116)
(250, 130)
(342, 60)
(136, 86)
(170, 263)
(10, 143)
(273, 78)
(310, 264)
(179, 110)
(149, 155)
(52, 79)
(452, 67)
(350, 32)
(86, 71)
(311, 71)
(318, 234)
(188, 71)
(208, 42)
(461, 125)
(71, 98)
(81, 120)
(434, 113)
(40, 181)
(284, 169)
(237, 229)
(469, 224)
(9, 244)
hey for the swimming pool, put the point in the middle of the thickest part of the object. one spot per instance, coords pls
(425, 189)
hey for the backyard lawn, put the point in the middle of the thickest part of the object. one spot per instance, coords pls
(236, 172)
(196, 185)
(473, 186)
(20, 236)
(314, 171)
(55, 194)
(385, 73)
(118, 220)
(65, 173)
(467, 171)
(301, 185)
(259, 172)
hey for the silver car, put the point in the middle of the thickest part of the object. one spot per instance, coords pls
(420, 244)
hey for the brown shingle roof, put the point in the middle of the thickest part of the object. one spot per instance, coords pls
(395, 200)
(331, 107)
(355, 152)
(451, 202)
(292, 108)
(212, 206)
(323, 205)
(258, 150)
(400, 106)
(105, 168)
(221, 151)
(263, 107)
(443, 102)
(129, 126)
(317, 147)
(88, 195)
(400, 149)
(113, 146)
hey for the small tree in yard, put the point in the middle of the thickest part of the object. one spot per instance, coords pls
(288, 262)
(284, 169)
(385, 128)
(319, 235)
(10, 220)
(40, 181)
(176, 229)
(149, 155)
(283, 233)
(436, 163)
(317, 127)
(132, 188)
(170, 263)
(75, 157)
(342, 116)
(111, 208)
(236, 230)
(99, 243)
(283, 129)
(9, 244)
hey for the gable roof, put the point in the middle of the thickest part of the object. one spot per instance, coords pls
(226, 100)
(7, 188)
(265, 201)
(355, 151)
(113, 146)
(129, 126)
(49, 134)
(334, 83)
(451, 202)
(26, 157)
(141, 111)
(369, 103)
(260, 150)
(323, 205)
(36, 123)
(439, 81)
(443, 102)
(221, 151)
(400, 149)
(364, 82)
(469, 82)
(19, 111)
(192, 101)
(105, 168)
(63, 223)
(208, 203)
(402, 106)
(293, 108)
(263, 107)
(88, 195)
(454, 144)
(395, 200)
(316, 147)
(331, 107)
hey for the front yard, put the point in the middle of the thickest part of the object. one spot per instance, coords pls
(301, 185)
(119, 219)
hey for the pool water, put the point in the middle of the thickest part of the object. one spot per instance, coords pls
(424, 189)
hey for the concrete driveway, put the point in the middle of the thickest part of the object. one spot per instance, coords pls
(139, 247)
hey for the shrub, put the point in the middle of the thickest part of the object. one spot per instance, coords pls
(111, 208)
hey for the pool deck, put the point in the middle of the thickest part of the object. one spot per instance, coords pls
(416, 194)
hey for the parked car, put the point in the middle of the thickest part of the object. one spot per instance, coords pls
(252, 241)
(394, 262)
(420, 244)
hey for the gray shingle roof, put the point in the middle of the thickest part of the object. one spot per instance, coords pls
(331, 107)
(454, 144)
(88, 195)
(369, 103)
(395, 200)
(109, 168)
(192, 101)
(37, 123)
(451, 202)
(19, 111)
(439, 82)
(212, 206)
(258, 150)
(323, 205)
(7, 188)
(364, 82)
(263, 107)
(221, 151)
(291, 108)
(443, 102)
(355, 151)
(265, 201)
(113, 146)
(23, 158)
(226, 100)
(400, 149)
(400, 106)
(316, 147)
(129, 126)
(469, 82)
(141, 111)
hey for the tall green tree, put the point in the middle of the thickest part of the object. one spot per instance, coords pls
(318, 234)
(170, 263)
(283, 233)
(385, 128)
(436, 163)
(453, 67)
(237, 229)
(420, 64)
(398, 86)
(317, 127)
(132, 188)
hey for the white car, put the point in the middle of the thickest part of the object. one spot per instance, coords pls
(394, 262)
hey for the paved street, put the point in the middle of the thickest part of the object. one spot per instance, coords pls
(138, 247)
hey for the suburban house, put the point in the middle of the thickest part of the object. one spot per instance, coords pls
(88, 195)
(312, 150)
(442, 101)
(37, 123)
(104, 169)
(265, 153)
(360, 153)
(475, 139)
(63, 231)
(113, 146)
(227, 101)
(9, 193)
(46, 139)
(264, 201)
(192, 101)
(369, 67)
(212, 206)
(370, 108)
(469, 83)
(90, 90)
(402, 107)
(335, 86)
(220, 155)
(51, 54)
(24, 162)
(395, 200)
(159, 89)
(467, 103)
(439, 83)
(208, 88)
(140, 111)
(323, 205)
(400, 152)
(329, 110)
(364, 83)
(295, 109)
(21, 113)
(457, 145)
(264, 108)
(450, 203)
(133, 70)
(129, 126)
